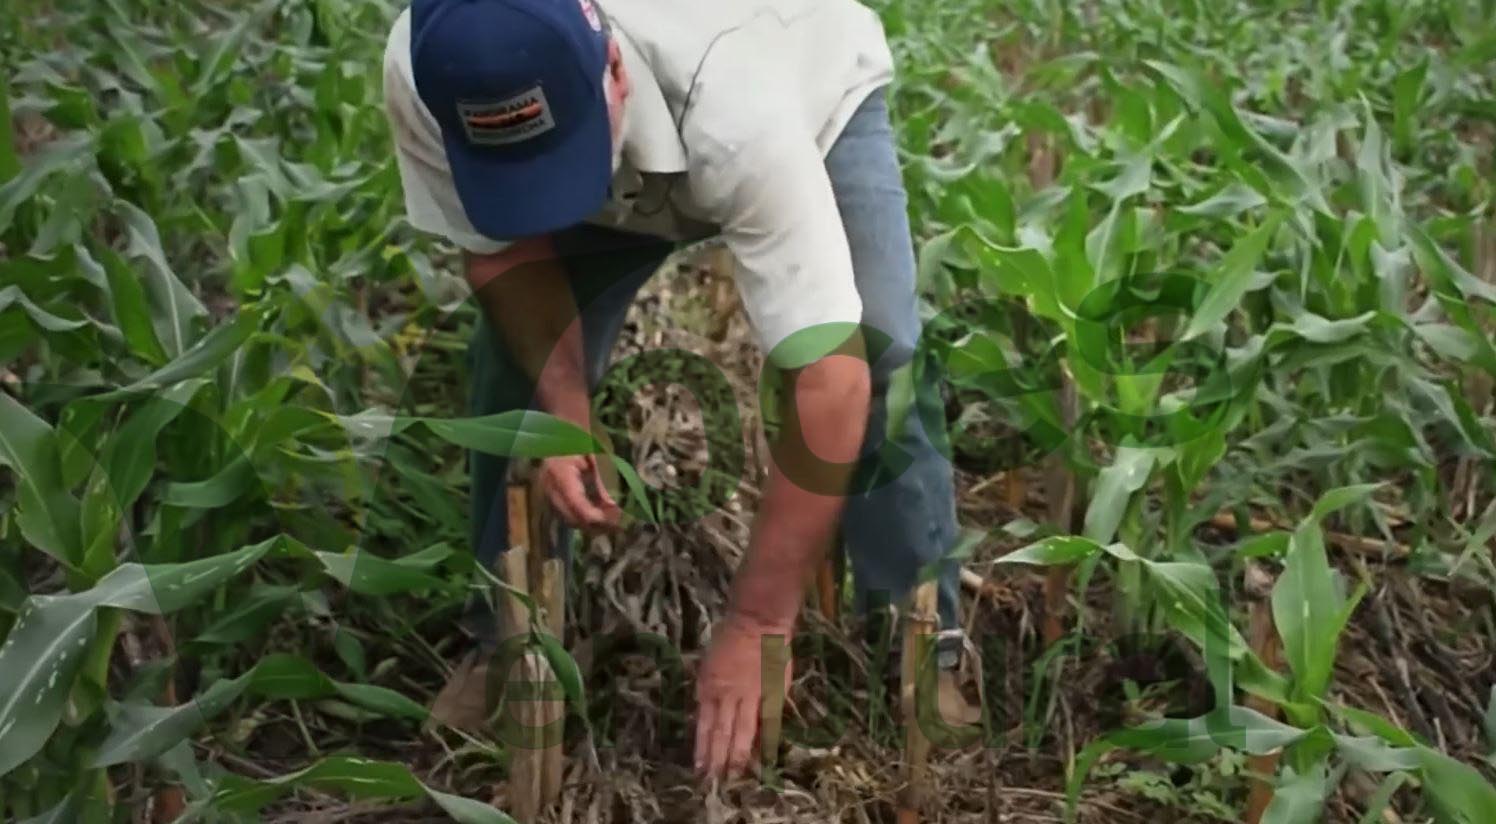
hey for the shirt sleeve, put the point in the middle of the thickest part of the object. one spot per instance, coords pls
(773, 199)
(431, 201)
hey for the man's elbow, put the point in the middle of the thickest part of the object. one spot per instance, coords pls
(843, 382)
(832, 397)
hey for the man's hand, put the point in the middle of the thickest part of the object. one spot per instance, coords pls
(729, 692)
(574, 485)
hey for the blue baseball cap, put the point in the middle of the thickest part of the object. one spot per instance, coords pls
(516, 86)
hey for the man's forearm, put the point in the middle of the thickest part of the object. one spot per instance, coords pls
(802, 504)
(525, 294)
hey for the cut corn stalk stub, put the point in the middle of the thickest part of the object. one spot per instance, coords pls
(919, 638)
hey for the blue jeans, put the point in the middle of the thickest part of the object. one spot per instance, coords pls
(901, 516)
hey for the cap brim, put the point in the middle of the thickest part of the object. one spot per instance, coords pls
(507, 198)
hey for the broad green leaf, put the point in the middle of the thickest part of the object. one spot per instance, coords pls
(282, 675)
(249, 616)
(1455, 788)
(1382, 798)
(165, 588)
(1337, 499)
(63, 154)
(1488, 722)
(1128, 473)
(205, 355)
(38, 663)
(65, 812)
(466, 810)
(179, 308)
(1306, 606)
(1057, 551)
(368, 574)
(128, 305)
(566, 670)
(129, 453)
(638, 492)
(1374, 754)
(1230, 201)
(10, 165)
(520, 433)
(232, 482)
(1233, 277)
(13, 296)
(48, 515)
(1299, 797)
(139, 732)
(384, 701)
(44, 649)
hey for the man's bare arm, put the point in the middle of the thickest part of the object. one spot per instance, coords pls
(813, 462)
(527, 297)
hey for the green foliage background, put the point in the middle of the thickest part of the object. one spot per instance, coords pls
(228, 360)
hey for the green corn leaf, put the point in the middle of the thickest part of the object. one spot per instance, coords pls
(206, 355)
(368, 574)
(129, 307)
(520, 433)
(43, 651)
(466, 810)
(384, 701)
(1488, 722)
(13, 296)
(1374, 754)
(1233, 277)
(1299, 797)
(638, 500)
(566, 670)
(48, 516)
(1306, 608)
(1382, 798)
(228, 485)
(129, 454)
(357, 778)
(38, 663)
(161, 589)
(281, 675)
(10, 165)
(66, 811)
(139, 732)
(1457, 790)
(179, 307)
(64, 154)
(1230, 201)
(1337, 499)
(1060, 550)
(1129, 472)
(249, 617)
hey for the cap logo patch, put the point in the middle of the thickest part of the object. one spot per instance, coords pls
(589, 11)
(513, 119)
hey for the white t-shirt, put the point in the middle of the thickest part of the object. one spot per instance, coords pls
(733, 107)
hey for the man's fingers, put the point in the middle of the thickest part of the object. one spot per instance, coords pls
(570, 489)
(723, 724)
(603, 496)
(706, 717)
(745, 730)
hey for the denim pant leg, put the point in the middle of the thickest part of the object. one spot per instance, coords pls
(606, 269)
(903, 516)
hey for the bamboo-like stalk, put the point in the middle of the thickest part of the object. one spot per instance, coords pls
(526, 768)
(553, 709)
(919, 634)
(1265, 642)
(776, 656)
